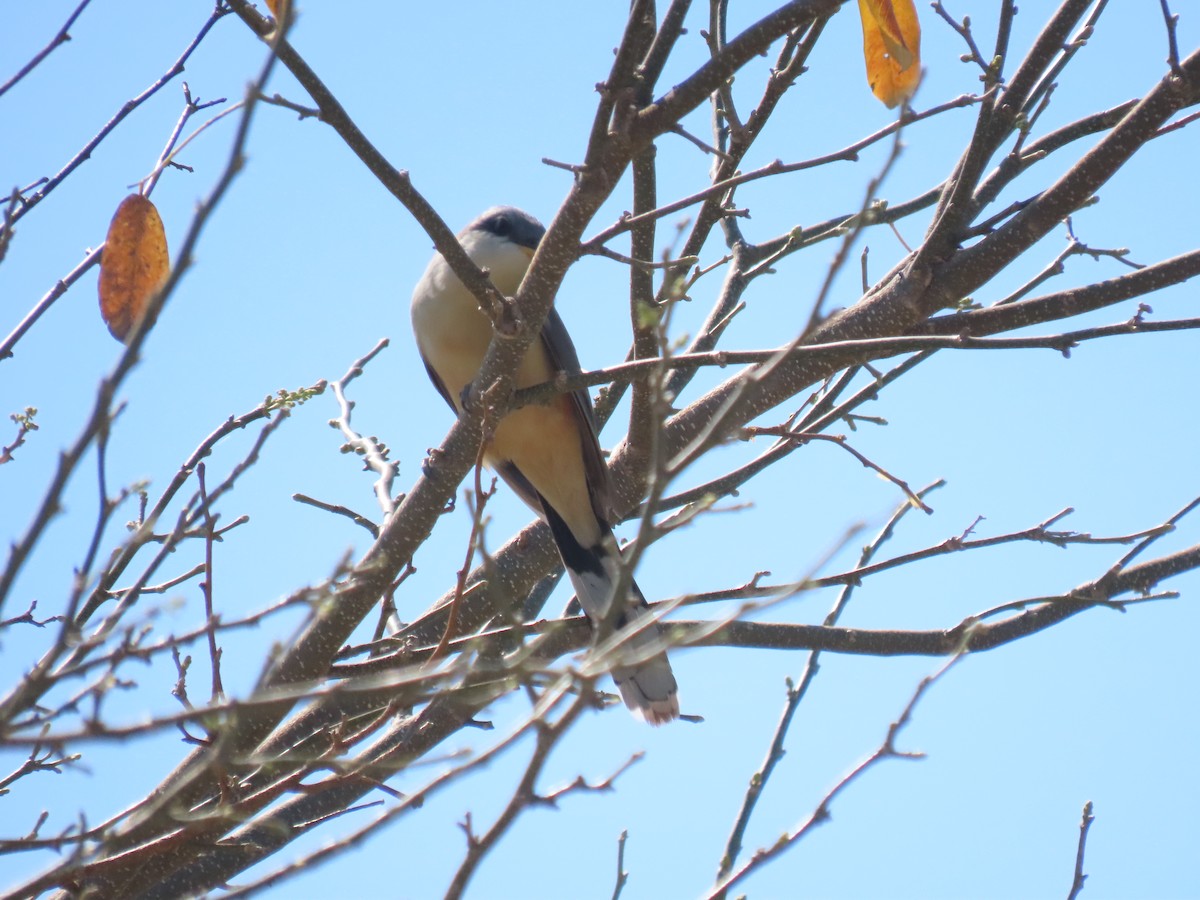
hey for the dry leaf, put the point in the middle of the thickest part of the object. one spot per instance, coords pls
(134, 264)
(891, 48)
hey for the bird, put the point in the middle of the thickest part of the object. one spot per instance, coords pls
(548, 454)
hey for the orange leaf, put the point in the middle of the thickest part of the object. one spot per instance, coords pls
(134, 264)
(891, 48)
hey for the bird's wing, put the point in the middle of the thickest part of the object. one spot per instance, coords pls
(561, 355)
(563, 358)
(437, 383)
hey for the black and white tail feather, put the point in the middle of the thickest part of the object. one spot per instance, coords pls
(647, 684)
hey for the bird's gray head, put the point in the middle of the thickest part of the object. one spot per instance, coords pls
(503, 240)
(508, 223)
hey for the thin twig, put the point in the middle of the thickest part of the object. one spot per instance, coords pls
(841, 441)
(474, 543)
(886, 750)
(57, 41)
(356, 518)
(796, 693)
(219, 11)
(170, 151)
(369, 448)
(206, 586)
(1084, 825)
(622, 875)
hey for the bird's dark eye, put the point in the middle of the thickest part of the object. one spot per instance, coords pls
(502, 226)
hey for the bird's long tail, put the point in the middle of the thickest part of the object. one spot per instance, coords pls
(647, 685)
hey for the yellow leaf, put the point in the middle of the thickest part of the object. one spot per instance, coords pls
(891, 48)
(134, 264)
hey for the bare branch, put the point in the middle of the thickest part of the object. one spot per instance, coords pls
(375, 454)
(622, 875)
(796, 693)
(29, 202)
(1084, 825)
(57, 41)
(841, 441)
(886, 750)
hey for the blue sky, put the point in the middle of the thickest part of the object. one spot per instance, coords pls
(308, 262)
